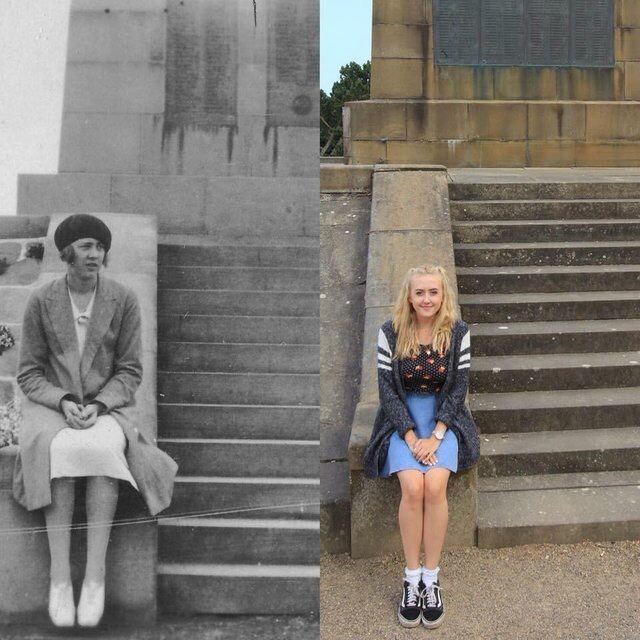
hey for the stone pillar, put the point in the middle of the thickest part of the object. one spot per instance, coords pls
(410, 225)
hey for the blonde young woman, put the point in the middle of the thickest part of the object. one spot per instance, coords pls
(423, 431)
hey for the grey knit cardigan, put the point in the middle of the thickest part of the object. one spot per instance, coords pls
(451, 409)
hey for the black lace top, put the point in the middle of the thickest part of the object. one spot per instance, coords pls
(426, 372)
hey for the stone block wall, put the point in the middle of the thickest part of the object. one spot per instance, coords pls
(196, 110)
(473, 116)
(402, 64)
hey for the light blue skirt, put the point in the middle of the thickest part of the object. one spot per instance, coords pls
(422, 409)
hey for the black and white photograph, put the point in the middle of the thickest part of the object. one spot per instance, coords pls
(159, 319)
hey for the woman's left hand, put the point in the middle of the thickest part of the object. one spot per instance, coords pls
(424, 450)
(90, 414)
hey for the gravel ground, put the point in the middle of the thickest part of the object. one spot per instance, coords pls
(588, 591)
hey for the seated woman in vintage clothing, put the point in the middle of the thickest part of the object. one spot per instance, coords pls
(79, 368)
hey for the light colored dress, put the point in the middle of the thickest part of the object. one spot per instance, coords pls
(98, 450)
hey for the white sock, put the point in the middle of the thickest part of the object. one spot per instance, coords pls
(429, 576)
(413, 575)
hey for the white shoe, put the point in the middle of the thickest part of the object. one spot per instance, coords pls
(62, 610)
(91, 605)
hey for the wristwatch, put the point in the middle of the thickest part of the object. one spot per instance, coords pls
(439, 434)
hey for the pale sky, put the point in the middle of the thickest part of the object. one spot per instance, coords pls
(33, 34)
(345, 36)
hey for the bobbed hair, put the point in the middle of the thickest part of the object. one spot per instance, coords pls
(68, 255)
(404, 315)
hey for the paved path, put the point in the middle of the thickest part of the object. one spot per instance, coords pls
(589, 591)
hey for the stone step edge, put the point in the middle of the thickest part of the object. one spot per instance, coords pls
(492, 329)
(555, 296)
(240, 571)
(238, 344)
(246, 480)
(248, 441)
(235, 269)
(568, 440)
(239, 523)
(547, 269)
(543, 201)
(546, 481)
(246, 292)
(237, 406)
(573, 244)
(555, 399)
(545, 222)
(198, 240)
(539, 362)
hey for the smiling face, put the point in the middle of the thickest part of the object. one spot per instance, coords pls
(425, 296)
(88, 257)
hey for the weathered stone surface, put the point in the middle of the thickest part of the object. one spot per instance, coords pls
(100, 143)
(393, 12)
(504, 154)
(449, 153)
(525, 83)
(629, 43)
(628, 14)
(616, 154)
(178, 201)
(396, 78)
(498, 121)
(116, 36)
(368, 152)
(335, 508)
(114, 87)
(556, 121)
(345, 178)
(589, 84)
(408, 41)
(459, 83)
(433, 120)
(632, 80)
(553, 153)
(282, 203)
(376, 120)
(613, 122)
(73, 193)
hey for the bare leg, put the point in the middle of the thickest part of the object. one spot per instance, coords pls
(58, 517)
(102, 498)
(410, 515)
(436, 515)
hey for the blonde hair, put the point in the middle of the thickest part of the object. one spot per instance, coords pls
(404, 316)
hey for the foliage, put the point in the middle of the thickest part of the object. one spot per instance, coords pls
(6, 339)
(353, 85)
(35, 250)
(9, 422)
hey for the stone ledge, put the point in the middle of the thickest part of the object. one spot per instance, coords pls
(336, 178)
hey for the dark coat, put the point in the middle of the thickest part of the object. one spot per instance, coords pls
(452, 409)
(109, 372)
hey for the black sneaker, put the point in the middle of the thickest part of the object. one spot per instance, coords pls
(410, 605)
(432, 606)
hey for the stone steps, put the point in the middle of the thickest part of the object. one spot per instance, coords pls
(239, 394)
(238, 388)
(238, 357)
(496, 254)
(238, 421)
(547, 452)
(555, 410)
(216, 540)
(605, 506)
(229, 303)
(493, 210)
(527, 307)
(234, 457)
(553, 230)
(549, 277)
(217, 328)
(225, 588)
(549, 372)
(240, 278)
(518, 190)
(571, 336)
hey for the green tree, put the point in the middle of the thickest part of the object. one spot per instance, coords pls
(353, 85)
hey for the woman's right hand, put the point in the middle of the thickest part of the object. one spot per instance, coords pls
(73, 414)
